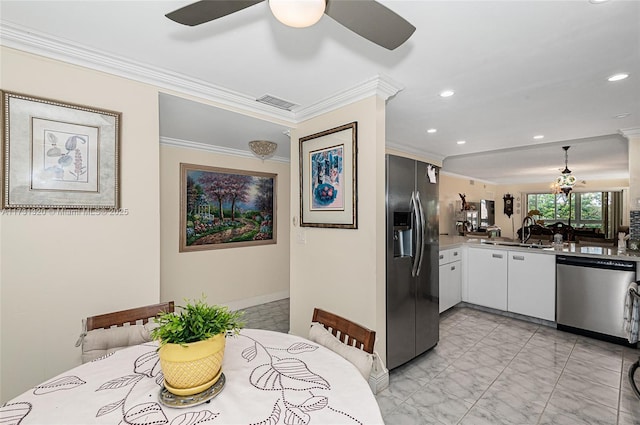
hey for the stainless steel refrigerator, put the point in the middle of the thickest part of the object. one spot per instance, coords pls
(412, 259)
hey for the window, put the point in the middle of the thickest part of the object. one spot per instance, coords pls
(583, 209)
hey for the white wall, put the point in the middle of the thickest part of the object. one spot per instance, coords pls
(56, 270)
(343, 270)
(451, 186)
(238, 277)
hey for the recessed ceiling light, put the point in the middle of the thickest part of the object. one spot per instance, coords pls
(447, 93)
(625, 115)
(461, 142)
(618, 77)
(432, 130)
(538, 136)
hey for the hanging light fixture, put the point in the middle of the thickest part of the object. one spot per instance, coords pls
(566, 180)
(263, 149)
(298, 13)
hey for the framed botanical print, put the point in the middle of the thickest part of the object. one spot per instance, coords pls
(58, 155)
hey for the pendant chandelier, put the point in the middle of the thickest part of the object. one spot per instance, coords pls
(565, 182)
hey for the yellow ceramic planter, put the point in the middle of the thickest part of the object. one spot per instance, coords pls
(192, 368)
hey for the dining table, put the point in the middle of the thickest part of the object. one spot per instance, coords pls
(267, 378)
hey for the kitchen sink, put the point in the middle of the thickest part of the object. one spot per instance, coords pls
(518, 244)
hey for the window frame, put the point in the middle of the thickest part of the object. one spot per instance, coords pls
(575, 213)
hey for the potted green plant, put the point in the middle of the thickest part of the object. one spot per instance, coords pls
(192, 344)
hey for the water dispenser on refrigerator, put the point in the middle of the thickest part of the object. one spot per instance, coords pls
(402, 245)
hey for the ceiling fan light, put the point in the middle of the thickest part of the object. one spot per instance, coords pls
(297, 13)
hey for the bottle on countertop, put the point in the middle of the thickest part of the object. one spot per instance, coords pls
(622, 241)
(557, 240)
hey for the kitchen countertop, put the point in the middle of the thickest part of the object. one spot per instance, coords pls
(571, 248)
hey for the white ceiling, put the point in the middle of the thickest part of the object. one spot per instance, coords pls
(595, 158)
(519, 68)
(183, 120)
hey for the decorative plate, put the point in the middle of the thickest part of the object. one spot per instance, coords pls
(182, 401)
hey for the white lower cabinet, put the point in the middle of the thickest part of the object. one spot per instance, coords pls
(487, 277)
(532, 284)
(521, 282)
(450, 278)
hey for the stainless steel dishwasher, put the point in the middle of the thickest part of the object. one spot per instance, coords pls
(590, 295)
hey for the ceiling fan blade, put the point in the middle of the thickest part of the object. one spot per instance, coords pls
(207, 10)
(371, 20)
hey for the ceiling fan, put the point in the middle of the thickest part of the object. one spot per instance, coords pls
(367, 18)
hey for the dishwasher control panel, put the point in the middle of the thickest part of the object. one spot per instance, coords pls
(596, 263)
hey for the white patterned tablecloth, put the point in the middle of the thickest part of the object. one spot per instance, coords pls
(271, 378)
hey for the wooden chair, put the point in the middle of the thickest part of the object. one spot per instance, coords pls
(345, 330)
(131, 316)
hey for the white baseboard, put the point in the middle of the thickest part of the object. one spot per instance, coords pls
(261, 299)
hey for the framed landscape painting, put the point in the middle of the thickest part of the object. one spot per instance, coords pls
(225, 208)
(328, 189)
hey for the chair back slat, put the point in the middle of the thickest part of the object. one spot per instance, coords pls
(131, 316)
(345, 330)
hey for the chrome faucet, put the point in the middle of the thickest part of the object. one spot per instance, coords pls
(528, 221)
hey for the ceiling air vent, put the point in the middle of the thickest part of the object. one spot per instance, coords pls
(278, 103)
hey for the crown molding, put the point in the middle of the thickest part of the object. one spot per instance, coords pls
(629, 132)
(32, 41)
(187, 144)
(397, 149)
(379, 85)
(444, 172)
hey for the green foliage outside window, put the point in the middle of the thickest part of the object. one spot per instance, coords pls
(591, 206)
(586, 208)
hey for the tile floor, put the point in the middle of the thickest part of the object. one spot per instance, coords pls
(273, 316)
(490, 369)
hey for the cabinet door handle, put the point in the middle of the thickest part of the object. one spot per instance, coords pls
(441, 256)
(453, 268)
(496, 255)
(518, 257)
(455, 253)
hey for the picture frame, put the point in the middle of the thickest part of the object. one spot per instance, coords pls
(226, 208)
(328, 178)
(59, 155)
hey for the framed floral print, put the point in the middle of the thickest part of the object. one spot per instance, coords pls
(328, 178)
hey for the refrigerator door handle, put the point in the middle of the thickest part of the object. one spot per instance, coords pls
(422, 230)
(417, 230)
